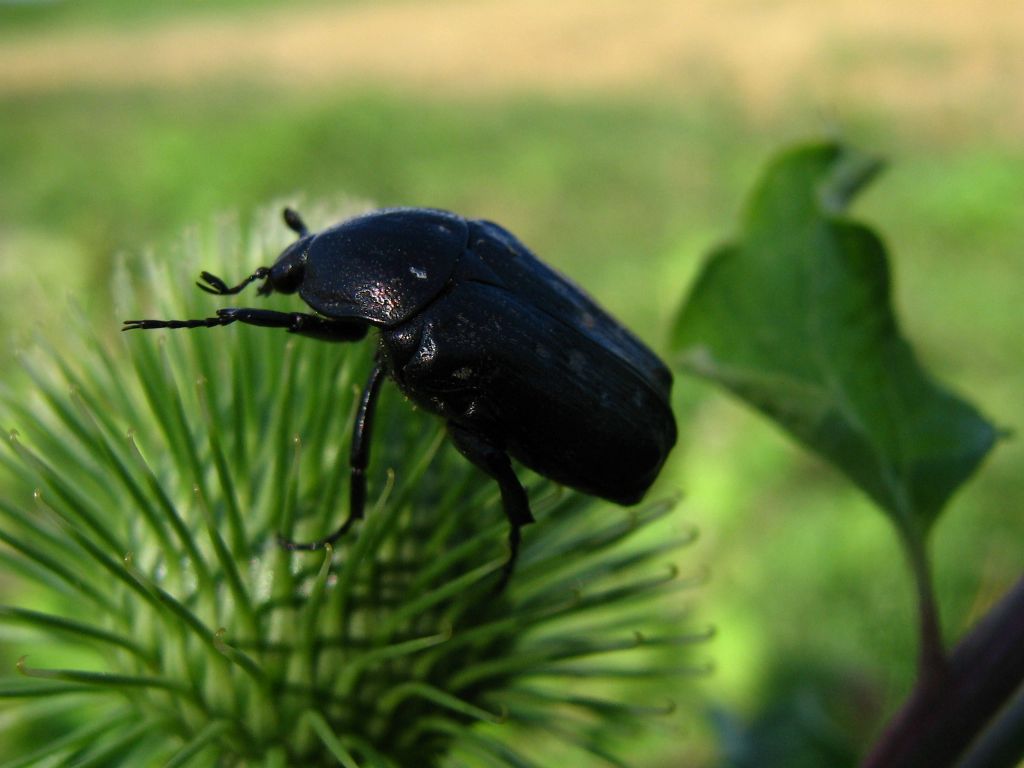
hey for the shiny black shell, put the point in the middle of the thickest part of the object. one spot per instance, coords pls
(476, 329)
(382, 267)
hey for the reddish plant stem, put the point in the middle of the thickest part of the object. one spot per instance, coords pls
(945, 713)
(932, 662)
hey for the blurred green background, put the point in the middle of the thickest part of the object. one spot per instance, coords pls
(618, 139)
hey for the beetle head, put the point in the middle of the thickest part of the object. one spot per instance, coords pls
(285, 276)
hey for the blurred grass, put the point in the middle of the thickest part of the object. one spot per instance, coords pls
(115, 171)
(624, 191)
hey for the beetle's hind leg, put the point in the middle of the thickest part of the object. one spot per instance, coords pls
(495, 462)
(359, 458)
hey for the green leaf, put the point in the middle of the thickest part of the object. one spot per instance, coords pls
(795, 318)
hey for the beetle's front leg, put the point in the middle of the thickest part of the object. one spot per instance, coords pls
(314, 326)
(495, 462)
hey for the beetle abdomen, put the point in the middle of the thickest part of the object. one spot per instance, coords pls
(536, 283)
(549, 394)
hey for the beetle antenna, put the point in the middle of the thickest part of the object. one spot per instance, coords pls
(218, 287)
(295, 222)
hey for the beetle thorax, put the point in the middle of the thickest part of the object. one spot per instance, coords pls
(383, 267)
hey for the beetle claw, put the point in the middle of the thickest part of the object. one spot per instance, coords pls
(216, 286)
(142, 325)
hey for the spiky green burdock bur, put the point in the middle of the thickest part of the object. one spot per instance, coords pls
(151, 619)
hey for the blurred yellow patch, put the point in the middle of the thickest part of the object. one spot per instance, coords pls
(917, 56)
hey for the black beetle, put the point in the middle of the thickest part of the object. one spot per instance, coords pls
(474, 328)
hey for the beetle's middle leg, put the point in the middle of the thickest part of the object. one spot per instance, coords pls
(359, 458)
(495, 462)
